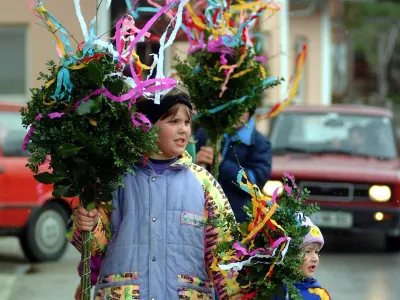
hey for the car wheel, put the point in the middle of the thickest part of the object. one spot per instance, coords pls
(44, 236)
(392, 243)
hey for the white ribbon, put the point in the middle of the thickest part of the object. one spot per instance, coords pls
(163, 46)
(81, 19)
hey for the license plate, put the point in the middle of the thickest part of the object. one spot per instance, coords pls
(332, 219)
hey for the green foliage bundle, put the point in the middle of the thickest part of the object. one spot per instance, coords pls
(253, 278)
(91, 146)
(199, 71)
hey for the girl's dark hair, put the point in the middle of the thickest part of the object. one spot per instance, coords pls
(155, 112)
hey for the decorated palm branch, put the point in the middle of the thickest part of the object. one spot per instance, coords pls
(82, 121)
(222, 71)
(265, 251)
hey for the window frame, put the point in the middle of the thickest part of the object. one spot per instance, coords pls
(19, 98)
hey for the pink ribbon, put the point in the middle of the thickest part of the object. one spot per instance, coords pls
(288, 190)
(223, 59)
(144, 122)
(274, 195)
(243, 251)
(193, 48)
(218, 46)
(30, 132)
(279, 241)
(262, 59)
(132, 94)
(55, 115)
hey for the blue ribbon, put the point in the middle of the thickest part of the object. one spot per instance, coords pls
(214, 110)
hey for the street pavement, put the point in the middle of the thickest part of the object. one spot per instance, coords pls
(21, 280)
(351, 268)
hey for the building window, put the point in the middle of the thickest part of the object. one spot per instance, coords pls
(13, 62)
(299, 98)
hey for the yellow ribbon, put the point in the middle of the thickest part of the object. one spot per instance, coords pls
(278, 226)
(196, 20)
(263, 73)
(294, 87)
(261, 225)
(78, 67)
(60, 45)
(142, 65)
(276, 259)
(254, 6)
(241, 73)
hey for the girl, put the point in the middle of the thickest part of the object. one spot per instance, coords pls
(309, 287)
(159, 240)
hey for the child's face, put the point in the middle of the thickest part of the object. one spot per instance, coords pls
(243, 119)
(311, 259)
(174, 134)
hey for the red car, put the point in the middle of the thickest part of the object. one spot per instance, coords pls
(27, 208)
(348, 158)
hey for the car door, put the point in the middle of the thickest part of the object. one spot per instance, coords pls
(2, 186)
(18, 189)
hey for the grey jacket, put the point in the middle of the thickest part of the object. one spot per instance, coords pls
(155, 244)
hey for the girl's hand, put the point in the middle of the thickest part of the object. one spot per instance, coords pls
(86, 221)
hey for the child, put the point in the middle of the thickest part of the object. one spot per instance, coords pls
(309, 287)
(247, 148)
(154, 243)
(95, 262)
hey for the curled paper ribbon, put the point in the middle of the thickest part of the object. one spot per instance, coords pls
(126, 37)
(293, 87)
(132, 96)
(228, 27)
(122, 54)
(237, 266)
(265, 82)
(243, 251)
(241, 256)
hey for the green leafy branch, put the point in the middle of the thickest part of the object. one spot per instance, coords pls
(286, 273)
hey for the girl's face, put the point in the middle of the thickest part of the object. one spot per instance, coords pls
(311, 259)
(174, 133)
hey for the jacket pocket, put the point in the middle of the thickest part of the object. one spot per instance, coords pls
(118, 277)
(122, 292)
(192, 294)
(194, 281)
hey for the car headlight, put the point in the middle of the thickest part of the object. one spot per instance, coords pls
(270, 187)
(380, 193)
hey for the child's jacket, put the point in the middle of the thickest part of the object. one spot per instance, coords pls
(154, 243)
(310, 289)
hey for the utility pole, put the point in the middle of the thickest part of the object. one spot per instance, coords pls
(284, 46)
(326, 54)
(103, 19)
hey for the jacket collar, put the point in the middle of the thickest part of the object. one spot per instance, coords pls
(308, 283)
(184, 160)
(245, 134)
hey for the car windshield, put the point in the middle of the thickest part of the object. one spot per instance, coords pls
(350, 134)
(12, 133)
